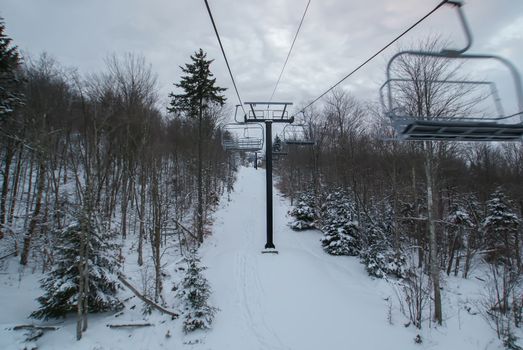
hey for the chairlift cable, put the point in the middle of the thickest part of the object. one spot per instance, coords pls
(290, 50)
(376, 54)
(224, 55)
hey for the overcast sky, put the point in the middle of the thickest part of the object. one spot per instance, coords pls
(336, 36)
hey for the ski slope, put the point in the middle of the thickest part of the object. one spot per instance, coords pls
(300, 298)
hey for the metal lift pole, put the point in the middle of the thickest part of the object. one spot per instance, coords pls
(268, 117)
(268, 177)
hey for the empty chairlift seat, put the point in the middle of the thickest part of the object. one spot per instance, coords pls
(297, 134)
(243, 137)
(450, 105)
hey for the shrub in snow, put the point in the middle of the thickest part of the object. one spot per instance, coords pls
(501, 302)
(304, 213)
(510, 341)
(194, 294)
(340, 227)
(61, 284)
(380, 263)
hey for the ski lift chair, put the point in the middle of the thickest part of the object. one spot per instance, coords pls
(417, 127)
(297, 134)
(243, 137)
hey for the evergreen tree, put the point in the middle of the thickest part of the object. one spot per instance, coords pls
(501, 229)
(377, 253)
(61, 284)
(10, 90)
(340, 226)
(195, 292)
(304, 213)
(199, 94)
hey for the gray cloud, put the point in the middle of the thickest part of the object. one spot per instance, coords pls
(336, 36)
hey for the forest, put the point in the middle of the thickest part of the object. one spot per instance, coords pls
(92, 164)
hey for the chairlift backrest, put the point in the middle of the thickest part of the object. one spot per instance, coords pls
(243, 137)
(416, 125)
(297, 134)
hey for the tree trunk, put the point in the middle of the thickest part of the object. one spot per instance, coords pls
(81, 288)
(141, 214)
(87, 238)
(518, 244)
(452, 253)
(29, 198)
(156, 235)
(15, 187)
(199, 225)
(434, 267)
(36, 213)
(9, 152)
(468, 258)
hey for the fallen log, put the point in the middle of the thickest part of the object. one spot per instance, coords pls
(13, 253)
(32, 326)
(130, 325)
(145, 299)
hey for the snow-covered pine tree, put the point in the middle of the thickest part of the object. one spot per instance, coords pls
(502, 243)
(378, 254)
(10, 89)
(303, 213)
(460, 224)
(501, 229)
(340, 226)
(194, 294)
(61, 284)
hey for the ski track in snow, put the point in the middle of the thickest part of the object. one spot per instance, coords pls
(300, 298)
(251, 297)
(249, 290)
(267, 289)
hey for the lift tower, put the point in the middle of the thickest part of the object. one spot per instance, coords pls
(268, 113)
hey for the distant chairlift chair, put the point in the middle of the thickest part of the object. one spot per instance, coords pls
(297, 134)
(243, 137)
(448, 127)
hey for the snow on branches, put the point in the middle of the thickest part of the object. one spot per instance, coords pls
(62, 283)
(194, 294)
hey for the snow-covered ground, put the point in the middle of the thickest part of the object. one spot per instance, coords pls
(298, 299)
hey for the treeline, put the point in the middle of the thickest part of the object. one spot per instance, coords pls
(91, 165)
(101, 143)
(435, 207)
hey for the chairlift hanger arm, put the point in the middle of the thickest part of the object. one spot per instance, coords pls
(236, 114)
(466, 29)
(283, 112)
(253, 111)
